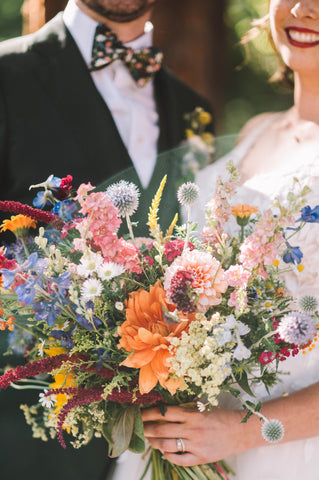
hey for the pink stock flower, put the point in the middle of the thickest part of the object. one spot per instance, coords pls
(238, 299)
(237, 276)
(209, 280)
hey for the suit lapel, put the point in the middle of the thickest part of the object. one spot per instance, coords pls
(67, 80)
(169, 119)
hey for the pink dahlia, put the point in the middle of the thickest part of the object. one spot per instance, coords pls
(208, 278)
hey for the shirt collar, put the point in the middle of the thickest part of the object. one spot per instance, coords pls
(82, 28)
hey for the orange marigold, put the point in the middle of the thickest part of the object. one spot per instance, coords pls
(19, 225)
(243, 210)
(146, 335)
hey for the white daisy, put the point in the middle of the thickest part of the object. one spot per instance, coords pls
(89, 264)
(91, 288)
(109, 270)
(48, 401)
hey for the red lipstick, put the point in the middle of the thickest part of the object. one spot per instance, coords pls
(299, 42)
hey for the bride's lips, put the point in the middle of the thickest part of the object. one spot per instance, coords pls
(302, 37)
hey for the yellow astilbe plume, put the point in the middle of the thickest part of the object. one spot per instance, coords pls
(155, 229)
(170, 229)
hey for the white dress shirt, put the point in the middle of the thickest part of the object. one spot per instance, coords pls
(133, 108)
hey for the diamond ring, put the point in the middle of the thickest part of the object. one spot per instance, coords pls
(180, 445)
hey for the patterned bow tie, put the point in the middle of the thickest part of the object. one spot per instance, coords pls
(142, 64)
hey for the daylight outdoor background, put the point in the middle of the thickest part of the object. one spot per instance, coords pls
(246, 89)
(203, 49)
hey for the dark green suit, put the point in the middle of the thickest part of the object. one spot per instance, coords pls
(53, 120)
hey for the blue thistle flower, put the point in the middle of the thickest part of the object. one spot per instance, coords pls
(308, 303)
(272, 430)
(124, 195)
(187, 194)
(298, 328)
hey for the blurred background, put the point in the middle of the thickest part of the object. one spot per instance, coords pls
(200, 41)
(201, 45)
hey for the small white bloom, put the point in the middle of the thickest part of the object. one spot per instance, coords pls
(109, 270)
(201, 406)
(41, 347)
(119, 306)
(48, 401)
(91, 288)
(89, 264)
(241, 352)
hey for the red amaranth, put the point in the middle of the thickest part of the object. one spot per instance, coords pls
(45, 365)
(34, 213)
(85, 396)
(89, 395)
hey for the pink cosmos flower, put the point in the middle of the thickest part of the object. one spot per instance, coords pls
(209, 280)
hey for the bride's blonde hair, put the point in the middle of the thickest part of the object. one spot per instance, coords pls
(284, 74)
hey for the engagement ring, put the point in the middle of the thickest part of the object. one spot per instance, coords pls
(180, 445)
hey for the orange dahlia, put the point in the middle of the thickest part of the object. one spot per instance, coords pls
(145, 334)
(208, 278)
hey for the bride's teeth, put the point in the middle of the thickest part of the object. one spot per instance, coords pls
(303, 37)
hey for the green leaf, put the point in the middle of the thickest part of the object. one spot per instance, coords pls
(242, 381)
(122, 431)
(137, 443)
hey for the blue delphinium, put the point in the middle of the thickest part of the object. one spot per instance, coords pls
(65, 209)
(292, 255)
(87, 321)
(47, 311)
(64, 337)
(310, 215)
(26, 292)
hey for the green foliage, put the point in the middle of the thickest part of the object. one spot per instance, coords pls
(10, 18)
(249, 91)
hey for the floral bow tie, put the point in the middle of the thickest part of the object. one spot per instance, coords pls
(142, 64)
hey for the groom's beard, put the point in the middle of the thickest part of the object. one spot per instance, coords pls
(123, 11)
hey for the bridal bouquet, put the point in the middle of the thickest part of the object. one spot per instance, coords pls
(113, 324)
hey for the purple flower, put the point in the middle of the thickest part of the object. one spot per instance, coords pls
(309, 215)
(64, 337)
(8, 277)
(26, 291)
(102, 354)
(87, 323)
(298, 328)
(47, 311)
(292, 255)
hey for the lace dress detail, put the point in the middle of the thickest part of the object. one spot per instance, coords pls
(299, 459)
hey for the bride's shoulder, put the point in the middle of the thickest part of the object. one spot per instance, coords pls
(254, 124)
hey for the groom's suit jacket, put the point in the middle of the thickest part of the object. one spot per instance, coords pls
(53, 120)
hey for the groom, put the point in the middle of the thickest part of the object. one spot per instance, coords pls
(62, 114)
(66, 108)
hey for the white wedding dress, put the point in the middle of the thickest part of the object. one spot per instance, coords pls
(296, 460)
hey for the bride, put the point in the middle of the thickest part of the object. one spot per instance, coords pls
(274, 148)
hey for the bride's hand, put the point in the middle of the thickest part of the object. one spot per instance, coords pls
(207, 437)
